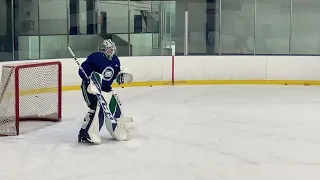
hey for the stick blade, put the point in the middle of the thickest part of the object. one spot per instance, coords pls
(125, 119)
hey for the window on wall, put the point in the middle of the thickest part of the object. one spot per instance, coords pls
(237, 26)
(6, 34)
(305, 27)
(272, 26)
(26, 14)
(212, 26)
(138, 24)
(197, 27)
(53, 28)
(53, 17)
(118, 24)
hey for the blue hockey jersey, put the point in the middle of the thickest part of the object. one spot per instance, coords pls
(99, 63)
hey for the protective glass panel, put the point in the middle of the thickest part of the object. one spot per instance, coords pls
(237, 26)
(305, 27)
(272, 27)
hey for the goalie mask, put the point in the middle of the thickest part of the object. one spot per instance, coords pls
(108, 47)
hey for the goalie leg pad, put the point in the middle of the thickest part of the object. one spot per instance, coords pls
(115, 105)
(117, 129)
(89, 132)
(90, 99)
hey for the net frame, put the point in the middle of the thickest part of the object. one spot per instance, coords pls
(17, 68)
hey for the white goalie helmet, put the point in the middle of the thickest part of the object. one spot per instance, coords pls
(108, 47)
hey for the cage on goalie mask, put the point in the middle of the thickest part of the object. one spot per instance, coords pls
(108, 47)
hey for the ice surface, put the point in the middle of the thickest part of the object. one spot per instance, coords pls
(181, 133)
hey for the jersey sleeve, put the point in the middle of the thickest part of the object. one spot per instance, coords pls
(87, 66)
(119, 63)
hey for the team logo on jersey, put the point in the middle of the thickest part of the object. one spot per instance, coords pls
(108, 73)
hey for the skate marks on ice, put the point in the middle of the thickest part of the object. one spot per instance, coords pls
(182, 132)
(267, 126)
(271, 127)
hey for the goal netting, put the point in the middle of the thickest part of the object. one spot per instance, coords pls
(29, 92)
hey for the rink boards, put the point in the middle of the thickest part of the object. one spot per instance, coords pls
(181, 70)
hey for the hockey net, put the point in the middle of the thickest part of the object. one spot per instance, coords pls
(29, 92)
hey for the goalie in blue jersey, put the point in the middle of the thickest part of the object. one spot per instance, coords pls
(108, 66)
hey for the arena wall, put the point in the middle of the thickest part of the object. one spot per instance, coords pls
(183, 70)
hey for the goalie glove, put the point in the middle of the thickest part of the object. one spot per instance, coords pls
(124, 76)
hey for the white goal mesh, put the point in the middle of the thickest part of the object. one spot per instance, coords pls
(30, 92)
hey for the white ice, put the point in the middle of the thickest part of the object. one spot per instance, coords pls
(227, 132)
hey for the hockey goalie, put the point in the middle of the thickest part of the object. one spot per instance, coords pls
(104, 67)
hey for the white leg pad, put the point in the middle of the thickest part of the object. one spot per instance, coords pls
(118, 131)
(93, 126)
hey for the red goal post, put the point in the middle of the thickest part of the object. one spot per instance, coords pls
(29, 92)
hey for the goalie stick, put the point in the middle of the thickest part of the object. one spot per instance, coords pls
(100, 98)
(127, 120)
